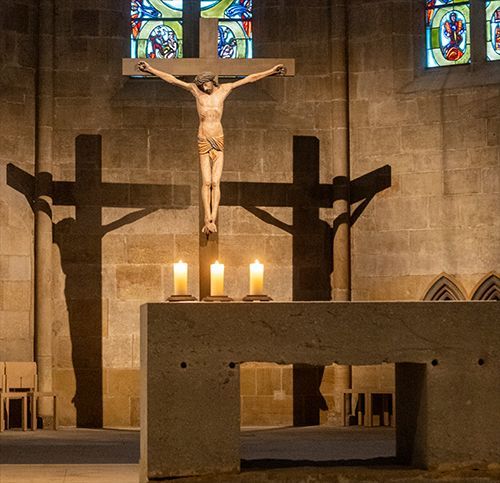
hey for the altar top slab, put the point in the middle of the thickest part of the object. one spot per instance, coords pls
(326, 332)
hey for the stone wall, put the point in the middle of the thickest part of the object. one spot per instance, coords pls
(121, 219)
(17, 118)
(266, 394)
(148, 131)
(438, 129)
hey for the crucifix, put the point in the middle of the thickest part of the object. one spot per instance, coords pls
(210, 99)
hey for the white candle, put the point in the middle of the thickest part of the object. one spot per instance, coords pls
(256, 278)
(180, 278)
(216, 279)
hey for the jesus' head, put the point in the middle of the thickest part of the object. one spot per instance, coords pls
(206, 81)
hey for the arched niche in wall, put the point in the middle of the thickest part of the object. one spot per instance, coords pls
(488, 288)
(444, 287)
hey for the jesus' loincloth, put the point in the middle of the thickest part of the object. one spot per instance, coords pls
(211, 146)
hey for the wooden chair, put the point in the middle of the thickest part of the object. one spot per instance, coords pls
(365, 416)
(34, 399)
(20, 380)
(22, 383)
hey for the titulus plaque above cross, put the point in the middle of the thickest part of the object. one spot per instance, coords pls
(208, 59)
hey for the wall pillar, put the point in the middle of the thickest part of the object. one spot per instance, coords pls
(341, 171)
(340, 106)
(43, 206)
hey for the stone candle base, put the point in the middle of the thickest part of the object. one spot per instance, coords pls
(181, 298)
(257, 298)
(217, 298)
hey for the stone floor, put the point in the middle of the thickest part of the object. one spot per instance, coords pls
(289, 455)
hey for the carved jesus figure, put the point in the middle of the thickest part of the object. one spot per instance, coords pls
(210, 97)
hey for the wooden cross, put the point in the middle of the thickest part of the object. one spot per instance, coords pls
(80, 245)
(208, 59)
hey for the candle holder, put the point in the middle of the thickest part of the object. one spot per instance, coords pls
(182, 298)
(257, 298)
(217, 298)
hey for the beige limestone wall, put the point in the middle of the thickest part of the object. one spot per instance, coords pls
(148, 131)
(439, 131)
(17, 107)
(266, 394)
(133, 252)
(439, 214)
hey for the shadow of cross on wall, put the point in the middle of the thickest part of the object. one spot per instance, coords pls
(79, 241)
(312, 241)
(312, 252)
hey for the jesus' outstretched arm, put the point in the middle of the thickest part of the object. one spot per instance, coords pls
(145, 67)
(276, 70)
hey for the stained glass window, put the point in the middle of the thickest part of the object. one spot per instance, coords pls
(156, 29)
(235, 26)
(493, 30)
(447, 32)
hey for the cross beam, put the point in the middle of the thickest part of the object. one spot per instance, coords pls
(208, 60)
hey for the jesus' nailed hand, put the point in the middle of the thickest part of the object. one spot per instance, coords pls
(210, 97)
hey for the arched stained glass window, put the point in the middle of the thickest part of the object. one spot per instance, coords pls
(493, 30)
(447, 32)
(235, 26)
(156, 29)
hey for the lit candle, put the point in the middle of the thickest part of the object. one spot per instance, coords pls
(216, 279)
(256, 278)
(180, 278)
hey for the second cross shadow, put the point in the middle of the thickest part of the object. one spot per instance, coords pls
(312, 240)
(312, 250)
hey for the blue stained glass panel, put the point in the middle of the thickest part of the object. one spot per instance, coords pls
(493, 30)
(448, 34)
(173, 4)
(156, 29)
(441, 3)
(235, 26)
(157, 39)
(233, 41)
(228, 9)
(156, 9)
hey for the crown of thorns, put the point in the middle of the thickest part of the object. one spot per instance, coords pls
(200, 79)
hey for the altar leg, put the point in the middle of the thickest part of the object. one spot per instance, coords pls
(190, 412)
(446, 413)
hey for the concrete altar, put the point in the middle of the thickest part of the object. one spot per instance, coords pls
(447, 359)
